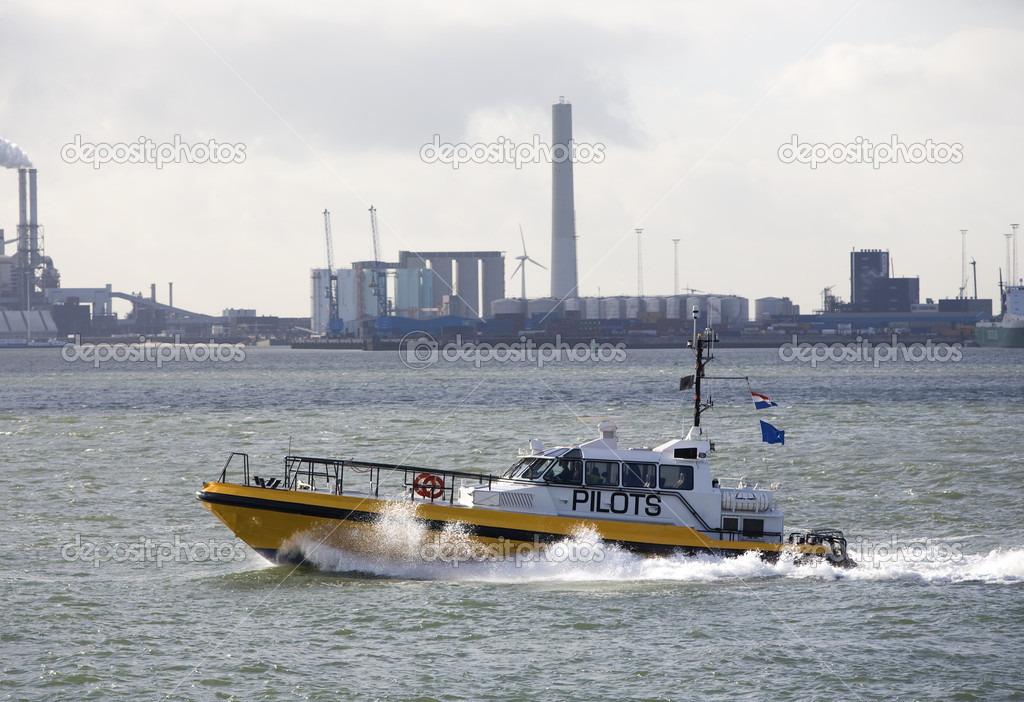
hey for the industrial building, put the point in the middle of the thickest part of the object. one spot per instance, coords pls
(25, 277)
(420, 285)
(766, 308)
(873, 290)
(878, 302)
(467, 287)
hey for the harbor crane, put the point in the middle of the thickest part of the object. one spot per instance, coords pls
(379, 284)
(332, 298)
(332, 281)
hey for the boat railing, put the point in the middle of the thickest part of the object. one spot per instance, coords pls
(245, 467)
(744, 483)
(338, 475)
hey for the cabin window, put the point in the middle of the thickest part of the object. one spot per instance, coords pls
(639, 475)
(534, 468)
(515, 468)
(602, 473)
(753, 527)
(676, 478)
(730, 523)
(565, 472)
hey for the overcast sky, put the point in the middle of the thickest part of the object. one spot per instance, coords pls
(689, 103)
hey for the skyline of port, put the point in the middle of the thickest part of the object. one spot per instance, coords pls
(690, 135)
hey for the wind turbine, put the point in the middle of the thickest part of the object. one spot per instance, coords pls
(522, 264)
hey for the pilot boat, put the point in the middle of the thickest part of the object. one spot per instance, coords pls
(658, 501)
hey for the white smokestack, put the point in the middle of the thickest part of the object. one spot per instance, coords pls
(33, 220)
(13, 157)
(563, 208)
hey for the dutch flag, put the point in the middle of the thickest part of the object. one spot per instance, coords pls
(761, 401)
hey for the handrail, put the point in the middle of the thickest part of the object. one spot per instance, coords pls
(333, 469)
(245, 467)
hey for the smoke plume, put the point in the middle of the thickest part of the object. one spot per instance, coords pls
(12, 157)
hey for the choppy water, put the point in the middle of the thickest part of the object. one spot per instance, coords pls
(118, 584)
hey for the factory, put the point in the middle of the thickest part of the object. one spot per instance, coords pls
(421, 285)
(879, 302)
(465, 290)
(26, 276)
(35, 308)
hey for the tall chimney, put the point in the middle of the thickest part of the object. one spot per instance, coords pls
(152, 292)
(22, 270)
(33, 220)
(22, 198)
(170, 294)
(563, 208)
(22, 214)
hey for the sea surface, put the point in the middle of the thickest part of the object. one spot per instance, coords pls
(118, 584)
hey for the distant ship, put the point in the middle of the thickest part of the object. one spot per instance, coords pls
(1007, 330)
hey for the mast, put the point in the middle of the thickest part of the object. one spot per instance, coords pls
(698, 373)
(698, 343)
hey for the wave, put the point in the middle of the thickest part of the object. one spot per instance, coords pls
(399, 547)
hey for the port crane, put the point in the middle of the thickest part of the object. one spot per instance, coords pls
(333, 324)
(379, 284)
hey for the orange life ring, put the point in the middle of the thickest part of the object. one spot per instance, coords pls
(428, 485)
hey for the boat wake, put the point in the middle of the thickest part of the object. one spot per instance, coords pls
(400, 547)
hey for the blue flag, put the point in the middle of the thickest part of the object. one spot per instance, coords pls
(771, 435)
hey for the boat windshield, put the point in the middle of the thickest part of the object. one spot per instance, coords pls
(530, 468)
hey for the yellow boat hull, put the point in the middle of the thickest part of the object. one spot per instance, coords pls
(273, 521)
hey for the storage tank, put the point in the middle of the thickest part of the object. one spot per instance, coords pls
(714, 311)
(592, 308)
(675, 308)
(541, 305)
(506, 306)
(731, 311)
(633, 308)
(654, 307)
(612, 308)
